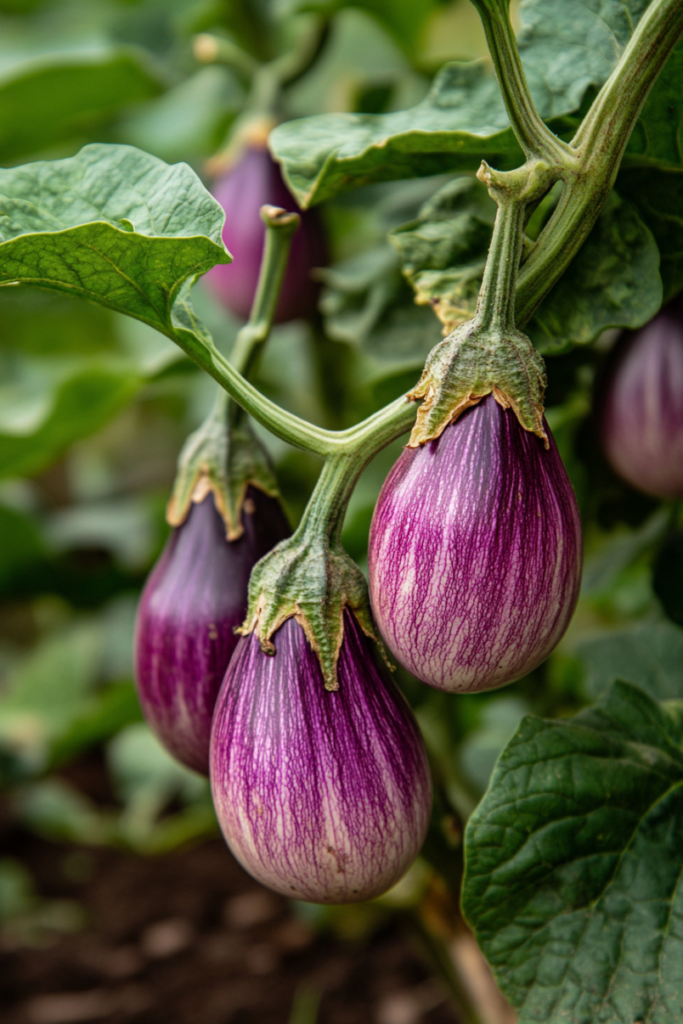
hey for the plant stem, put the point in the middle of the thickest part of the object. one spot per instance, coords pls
(496, 303)
(280, 228)
(533, 135)
(598, 147)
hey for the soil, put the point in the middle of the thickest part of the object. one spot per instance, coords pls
(189, 938)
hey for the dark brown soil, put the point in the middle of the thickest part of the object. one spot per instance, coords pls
(189, 938)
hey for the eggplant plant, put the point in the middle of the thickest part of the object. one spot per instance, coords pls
(263, 657)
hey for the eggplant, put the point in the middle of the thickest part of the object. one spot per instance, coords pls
(475, 553)
(321, 795)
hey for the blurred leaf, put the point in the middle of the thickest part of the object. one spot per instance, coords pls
(480, 751)
(190, 119)
(21, 543)
(48, 102)
(404, 19)
(57, 811)
(108, 713)
(17, 893)
(618, 550)
(649, 655)
(667, 576)
(573, 865)
(147, 778)
(82, 404)
(566, 48)
(658, 196)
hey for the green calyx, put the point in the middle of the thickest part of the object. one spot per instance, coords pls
(222, 457)
(310, 577)
(473, 362)
(312, 581)
(488, 354)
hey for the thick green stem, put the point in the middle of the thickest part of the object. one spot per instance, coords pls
(596, 151)
(534, 137)
(280, 228)
(496, 305)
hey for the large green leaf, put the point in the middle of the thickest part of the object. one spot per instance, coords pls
(47, 102)
(111, 224)
(567, 49)
(573, 866)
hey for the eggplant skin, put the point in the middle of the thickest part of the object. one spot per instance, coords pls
(475, 553)
(640, 407)
(194, 598)
(252, 182)
(322, 795)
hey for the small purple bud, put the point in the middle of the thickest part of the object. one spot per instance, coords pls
(475, 553)
(641, 412)
(242, 191)
(322, 795)
(194, 598)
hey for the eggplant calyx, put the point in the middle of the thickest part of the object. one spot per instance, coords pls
(307, 579)
(469, 364)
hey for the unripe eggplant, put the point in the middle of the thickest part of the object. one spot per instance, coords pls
(475, 553)
(253, 181)
(641, 406)
(194, 598)
(321, 795)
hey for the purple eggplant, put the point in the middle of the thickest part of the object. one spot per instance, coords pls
(242, 191)
(475, 553)
(641, 407)
(194, 598)
(322, 795)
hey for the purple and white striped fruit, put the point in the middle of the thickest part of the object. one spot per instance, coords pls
(641, 414)
(321, 795)
(475, 553)
(194, 598)
(253, 181)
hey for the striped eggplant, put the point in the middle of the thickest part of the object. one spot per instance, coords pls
(475, 553)
(322, 795)
(194, 598)
(641, 407)
(253, 181)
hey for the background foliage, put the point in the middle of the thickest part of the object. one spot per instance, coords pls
(94, 407)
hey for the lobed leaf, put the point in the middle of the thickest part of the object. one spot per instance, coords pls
(573, 866)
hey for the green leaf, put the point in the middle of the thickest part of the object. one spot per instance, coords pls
(82, 405)
(443, 251)
(63, 225)
(21, 543)
(46, 103)
(651, 656)
(657, 139)
(567, 49)
(612, 282)
(573, 866)
(404, 19)
(658, 196)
